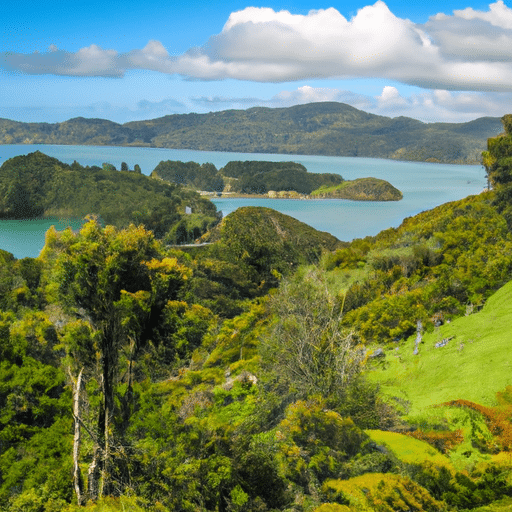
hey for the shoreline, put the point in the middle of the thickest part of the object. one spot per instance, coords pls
(229, 195)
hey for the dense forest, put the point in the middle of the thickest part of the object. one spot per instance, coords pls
(326, 128)
(275, 369)
(274, 179)
(38, 185)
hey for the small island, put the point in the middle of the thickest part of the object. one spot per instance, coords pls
(361, 189)
(275, 180)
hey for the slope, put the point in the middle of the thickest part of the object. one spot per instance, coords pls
(474, 364)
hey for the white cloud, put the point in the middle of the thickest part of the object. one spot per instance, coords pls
(498, 15)
(474, 36)
(468, 50)
(390, 98)
(471, 50)
(88, 61)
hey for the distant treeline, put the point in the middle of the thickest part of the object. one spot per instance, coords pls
(325, 128)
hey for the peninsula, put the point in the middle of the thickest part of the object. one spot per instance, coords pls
(276, 180)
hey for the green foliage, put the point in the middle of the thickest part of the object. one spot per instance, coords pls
(325, 128)
(270, 242)
(308, 350)
(258, 177)
(121, 283)
(189, 229)
(249, 177)
(381, 493)
(36, 184)
(434, 264)
(498, 163)
(361, 189)
(19, 283)
(198, 176)
(314, 442)
(34, 441)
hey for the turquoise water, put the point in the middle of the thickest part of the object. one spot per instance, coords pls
(424, 186)
(26, 237)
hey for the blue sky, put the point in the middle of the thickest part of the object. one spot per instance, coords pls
(434, 61)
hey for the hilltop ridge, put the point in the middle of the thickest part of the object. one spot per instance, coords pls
(326, 128)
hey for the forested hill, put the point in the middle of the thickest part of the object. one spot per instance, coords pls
(36, 185)
(326, 128)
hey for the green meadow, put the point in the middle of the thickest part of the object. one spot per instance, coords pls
(474, 364)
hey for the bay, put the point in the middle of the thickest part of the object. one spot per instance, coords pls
(424, 186)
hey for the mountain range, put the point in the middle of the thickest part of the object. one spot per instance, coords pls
(326, 128)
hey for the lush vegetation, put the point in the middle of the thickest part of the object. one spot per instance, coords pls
(317, 129)
(259, 177)
(250, 177)
(38, 185)
(361, 189)
(275, 369)
(275, 179)
(200, 177)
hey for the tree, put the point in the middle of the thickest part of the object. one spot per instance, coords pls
(118, 283)
(20, 202)
(108, 166)
(124, 166)
(309, 351)
(497, 161)
(137, 169)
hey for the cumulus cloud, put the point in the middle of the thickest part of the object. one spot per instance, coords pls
(467, 50)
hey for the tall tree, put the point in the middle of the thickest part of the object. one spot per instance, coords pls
(498, 163)
(309, 351)
(119, 283)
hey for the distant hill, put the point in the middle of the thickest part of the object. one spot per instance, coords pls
(326, 128)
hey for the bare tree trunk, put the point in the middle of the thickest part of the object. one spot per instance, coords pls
(106, 487)
(93, 476)
(77, 474)
(108, 377)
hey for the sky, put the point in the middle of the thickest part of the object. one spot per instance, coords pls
(436, 61)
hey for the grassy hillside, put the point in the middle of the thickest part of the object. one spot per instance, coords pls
(325, 128)
(474, 364)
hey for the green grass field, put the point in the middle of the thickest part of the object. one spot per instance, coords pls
(474, 365)
(408, 449)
